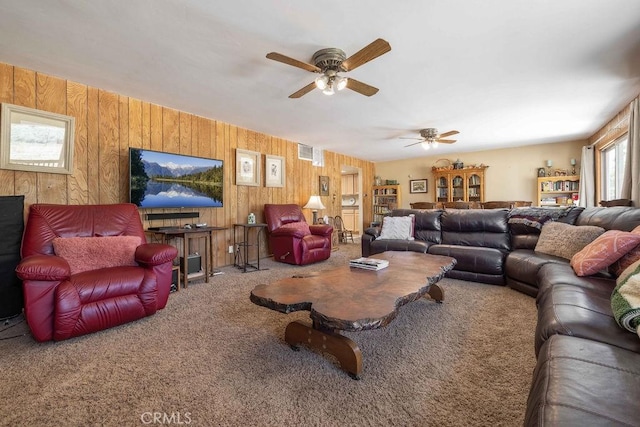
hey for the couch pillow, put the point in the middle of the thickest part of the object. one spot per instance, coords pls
(565, 240)
(300, 227)
(604, 251)
(627, 259)
(625, 298)
(397, 228)
(92, 253)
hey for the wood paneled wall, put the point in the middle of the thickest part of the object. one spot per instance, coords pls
(107, 124)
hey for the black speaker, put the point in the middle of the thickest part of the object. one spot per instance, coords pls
(174, 280)
(194, 264)
(11, 228)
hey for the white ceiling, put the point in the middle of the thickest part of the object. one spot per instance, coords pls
(502, 72)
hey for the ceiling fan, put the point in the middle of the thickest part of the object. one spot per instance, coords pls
(430, 137)
(331, 61)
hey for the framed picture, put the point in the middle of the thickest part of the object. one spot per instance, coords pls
(542, 172)
(35, 140)
(324, 185)
(274, 172)
(418, 186)
(247, 167)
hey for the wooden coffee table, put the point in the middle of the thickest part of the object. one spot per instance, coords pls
(352, 299)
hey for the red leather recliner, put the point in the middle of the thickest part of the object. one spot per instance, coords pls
(292, 240)
(61, 303)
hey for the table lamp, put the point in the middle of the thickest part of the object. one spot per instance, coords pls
(314, 204)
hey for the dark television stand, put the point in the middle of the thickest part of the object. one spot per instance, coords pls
(168, 233)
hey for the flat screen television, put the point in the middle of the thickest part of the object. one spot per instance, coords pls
(164, 180)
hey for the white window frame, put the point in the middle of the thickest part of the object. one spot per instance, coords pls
(612, 168)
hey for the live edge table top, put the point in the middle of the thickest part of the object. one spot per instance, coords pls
(353, 299)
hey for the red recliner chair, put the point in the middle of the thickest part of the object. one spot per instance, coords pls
(292, 240)
(88, 268)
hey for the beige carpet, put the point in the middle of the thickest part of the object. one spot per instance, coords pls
(213, 358)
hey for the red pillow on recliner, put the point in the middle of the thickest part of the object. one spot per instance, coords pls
(301, 228)
(92, 253)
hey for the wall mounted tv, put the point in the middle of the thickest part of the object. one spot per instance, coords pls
(164, 180)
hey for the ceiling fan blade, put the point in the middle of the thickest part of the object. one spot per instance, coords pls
(446, 141)
(411, 137)
(371, 51)
(415, 143)
(294, 62)
(361, 88)
(305, 90)
(446, 134)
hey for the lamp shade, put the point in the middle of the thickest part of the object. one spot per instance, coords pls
(314, 203)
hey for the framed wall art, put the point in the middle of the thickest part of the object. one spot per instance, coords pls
(418, 186)
(247, 167)
(35, 140)
(324, 185)
(274, 171)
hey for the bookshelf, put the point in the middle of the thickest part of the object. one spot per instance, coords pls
(454, 185)
(558, 190)
(385, 198)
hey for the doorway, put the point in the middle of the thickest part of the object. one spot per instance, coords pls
(351, 198)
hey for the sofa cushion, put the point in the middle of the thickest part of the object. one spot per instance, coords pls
(614, 218)
(475, 259)
(577, 311)
(552, 274)
(603, 251)
(523, 264)
(397, 228)
(477, 228)
(577, 382)
(378, 246)
(565, 240)
(92, 253)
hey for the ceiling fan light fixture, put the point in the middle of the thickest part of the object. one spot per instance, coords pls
(341, 82)
(425, 145)
(322, 81)
(435, 144)
(328, 90)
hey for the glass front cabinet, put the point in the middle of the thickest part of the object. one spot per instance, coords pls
(453, 185)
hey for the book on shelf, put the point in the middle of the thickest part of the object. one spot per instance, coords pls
(369, 263)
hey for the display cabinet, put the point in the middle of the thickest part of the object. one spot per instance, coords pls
(558, 190)
(452, 185)
(385, 198)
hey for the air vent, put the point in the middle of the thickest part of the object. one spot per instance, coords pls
(305, 152)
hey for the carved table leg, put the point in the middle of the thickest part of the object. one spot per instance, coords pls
(345, 350)
(437, 293)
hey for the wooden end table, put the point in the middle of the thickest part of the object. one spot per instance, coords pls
(352, 299)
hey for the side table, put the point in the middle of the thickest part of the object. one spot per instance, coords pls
(187, 235)
(242, 247)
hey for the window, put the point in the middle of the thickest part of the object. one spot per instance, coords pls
(613, 158)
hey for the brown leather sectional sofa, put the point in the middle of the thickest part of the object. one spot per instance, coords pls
(588, 367)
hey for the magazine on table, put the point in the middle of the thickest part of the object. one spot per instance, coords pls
(369, 263)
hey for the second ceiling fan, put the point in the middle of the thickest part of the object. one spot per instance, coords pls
(431, 138)
(331, 61)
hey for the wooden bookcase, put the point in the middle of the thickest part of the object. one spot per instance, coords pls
(452, 185)
(557, 190)
(385, 198)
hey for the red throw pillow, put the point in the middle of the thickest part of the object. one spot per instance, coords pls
(627, 259)
(92, 253)
(300, 227)
(603, 251)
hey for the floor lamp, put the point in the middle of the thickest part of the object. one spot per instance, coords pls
(314, 204)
